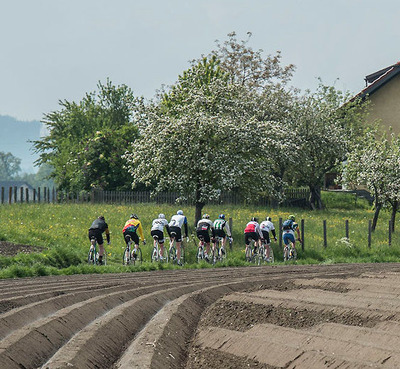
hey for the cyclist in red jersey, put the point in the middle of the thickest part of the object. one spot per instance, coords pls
(253, 232)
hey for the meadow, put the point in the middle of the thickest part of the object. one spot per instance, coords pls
(62, 232)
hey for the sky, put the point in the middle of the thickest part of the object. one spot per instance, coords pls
(55, 50)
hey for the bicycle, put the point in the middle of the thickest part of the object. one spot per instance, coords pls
(261, 255)
(251, 253)
(218, 253)
(289, 253)
(128, 258)
(172, 252)
(200, 250)
(155, 255)
(93, 255)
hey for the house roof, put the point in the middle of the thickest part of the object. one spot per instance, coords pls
(376, 80)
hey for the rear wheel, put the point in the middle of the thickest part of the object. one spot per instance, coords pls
(91, 257)
(155, 254)
(271, 255)
(126, 259)
(137, 259)
(261, 255)
(200, 254)
(286, 253)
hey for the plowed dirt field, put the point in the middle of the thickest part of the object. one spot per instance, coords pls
(333, 316)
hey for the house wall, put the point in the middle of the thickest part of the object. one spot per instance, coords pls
(385, 105)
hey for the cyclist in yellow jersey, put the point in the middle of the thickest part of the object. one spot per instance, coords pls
(133, 228)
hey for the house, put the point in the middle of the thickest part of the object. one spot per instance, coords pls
(383, 91)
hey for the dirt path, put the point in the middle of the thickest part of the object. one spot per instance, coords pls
(337, 316)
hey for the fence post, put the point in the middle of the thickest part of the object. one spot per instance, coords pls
(15, 194)
(27, 195)
(10, 195)
(347, 228)
(280, 233)
(369, 233)
(231, 229)
(302, 234)
(390, 233)
(21, 194)
(2, 195)
(325, 238)
(34, 195)
(38, 194)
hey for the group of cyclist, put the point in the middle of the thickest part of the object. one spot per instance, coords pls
(133, 231)
(207, 231)
(260, 234)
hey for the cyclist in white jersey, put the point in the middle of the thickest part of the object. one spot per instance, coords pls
(267, 226)
(222, 230)
(157, 230)
(175, 226)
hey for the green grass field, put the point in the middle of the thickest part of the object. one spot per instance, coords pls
(61, 229)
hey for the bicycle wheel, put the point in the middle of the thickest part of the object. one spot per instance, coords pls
(222, 254)
(200, 254)
(91, 257)
(126, 259)
(137, 257)
(286, 253)
(172, 254)
(248, 253)
(293, 254)
(261, 255)
(155, 254)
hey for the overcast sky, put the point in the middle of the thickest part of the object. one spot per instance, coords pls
(60, 49)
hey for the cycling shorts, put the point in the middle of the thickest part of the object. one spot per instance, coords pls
(287, 238)
(158, 234)
(220, 233)
(248, 236)
(205, 235)
(134, 237)
(97, 234)
(178, 233)
(266, 237)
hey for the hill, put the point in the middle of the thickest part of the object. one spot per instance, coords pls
(15, 137)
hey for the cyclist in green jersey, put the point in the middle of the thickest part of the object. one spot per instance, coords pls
(222, 230)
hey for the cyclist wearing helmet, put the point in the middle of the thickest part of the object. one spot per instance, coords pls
(203, 227)
(131, 229)
(222, 230)
(96, 230)
(157, 231)
(175, 226)
(253, 232)
(289, 227)
(266, 227)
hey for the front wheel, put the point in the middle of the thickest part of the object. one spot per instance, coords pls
(91, 257)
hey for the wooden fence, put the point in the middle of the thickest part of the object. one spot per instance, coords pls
(11, 195)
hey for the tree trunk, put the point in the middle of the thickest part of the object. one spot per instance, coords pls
(395, 207)
(197, 215)
(199, 207)
(378, 208)
(315, 200)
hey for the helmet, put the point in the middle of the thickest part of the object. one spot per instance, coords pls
(161, 216)
(134, 216)
(221, 216)
(254, 219)
(179, 212)
(292, 217)
(268, 218)
(206, 216)
(101, 217)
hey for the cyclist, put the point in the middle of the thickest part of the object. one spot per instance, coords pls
(203, 227)
(157, 229)
(267, 226)
(96, 230)
(289, 227)
(175, 226)
(132, 227)
(222, 230)
(253, 232)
